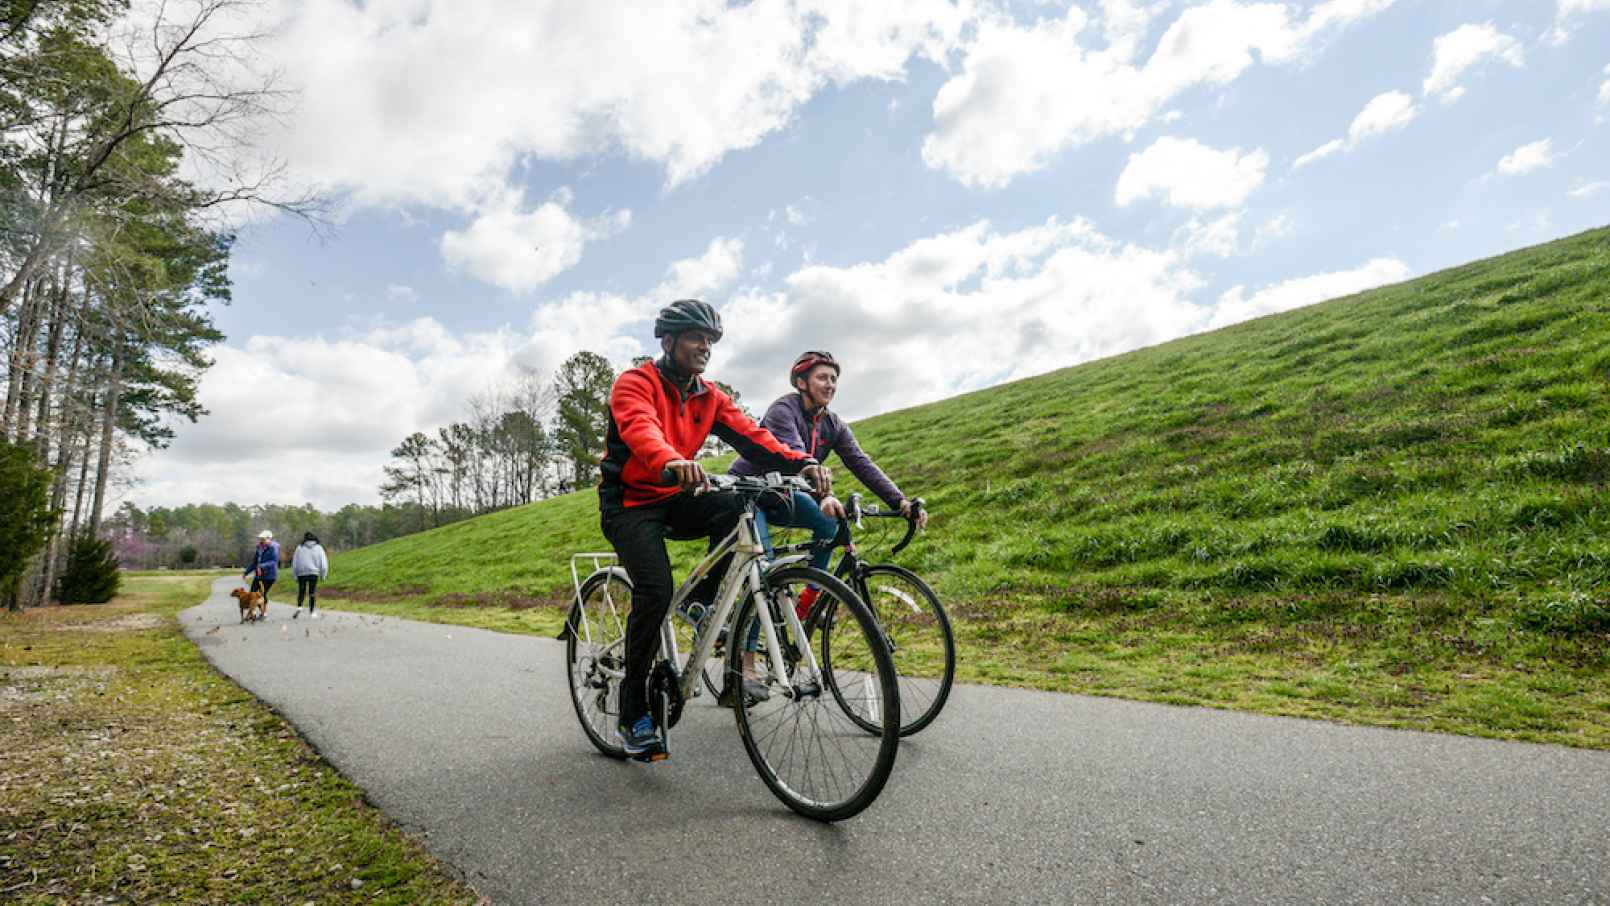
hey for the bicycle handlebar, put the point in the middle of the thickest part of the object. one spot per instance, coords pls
(856, 510)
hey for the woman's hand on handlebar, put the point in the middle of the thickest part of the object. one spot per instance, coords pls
(820, 478)
(687, 475)
(832, 509)
(908, 506)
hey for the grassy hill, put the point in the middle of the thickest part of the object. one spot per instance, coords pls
(1386, 508)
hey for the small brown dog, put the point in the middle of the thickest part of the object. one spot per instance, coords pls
(252, 605)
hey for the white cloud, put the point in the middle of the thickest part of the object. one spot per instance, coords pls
(1463, 48)
(1235, 305)
(520, 250)
(1386, 112)
(1276, 227)
(1604, 90)
(1323, 151)
(1567, 10)
(435, 101)
(1527, 158)
(401, 294)
(715, 270)
(1026, 92)
(1218, 237)
(958, 311)
(1588, 190)
(1189, 174)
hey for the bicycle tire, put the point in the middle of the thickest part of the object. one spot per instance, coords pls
(595, 639)
(918, 630)
(771, 730)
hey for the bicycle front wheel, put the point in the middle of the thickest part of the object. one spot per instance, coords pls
(808, 752)
(920, 643)
(595, 657)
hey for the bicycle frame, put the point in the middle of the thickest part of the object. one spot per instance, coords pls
(744, 575)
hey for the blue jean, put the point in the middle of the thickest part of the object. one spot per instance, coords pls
(806, 514)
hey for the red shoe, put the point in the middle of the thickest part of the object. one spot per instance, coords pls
(807, 600)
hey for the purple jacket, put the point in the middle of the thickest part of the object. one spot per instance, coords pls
(818, 436)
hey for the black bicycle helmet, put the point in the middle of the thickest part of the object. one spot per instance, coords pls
(687, 314)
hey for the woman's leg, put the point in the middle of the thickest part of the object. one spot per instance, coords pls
(312, 593)
(824, 528)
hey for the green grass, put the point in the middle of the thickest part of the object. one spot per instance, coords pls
(1387, 509)
(134, 772)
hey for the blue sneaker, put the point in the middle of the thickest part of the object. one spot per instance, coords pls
(642, 740)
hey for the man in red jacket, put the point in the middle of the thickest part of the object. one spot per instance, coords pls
(659, 415)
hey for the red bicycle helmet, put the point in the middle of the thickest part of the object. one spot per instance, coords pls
(809, 360)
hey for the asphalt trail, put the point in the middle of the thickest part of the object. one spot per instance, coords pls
(469, 738)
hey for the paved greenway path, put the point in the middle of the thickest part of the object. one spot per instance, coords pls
(469, 737)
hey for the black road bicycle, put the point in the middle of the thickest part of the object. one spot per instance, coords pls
(913, 622)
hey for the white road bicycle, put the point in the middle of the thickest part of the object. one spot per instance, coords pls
(810, 753)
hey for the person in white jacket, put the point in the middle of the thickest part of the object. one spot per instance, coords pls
(310, 565)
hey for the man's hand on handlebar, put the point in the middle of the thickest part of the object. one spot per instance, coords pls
(832, 509)
(906, 508)
(688, 475)
(820, 478)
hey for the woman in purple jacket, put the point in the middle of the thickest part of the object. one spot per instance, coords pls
(802, 421)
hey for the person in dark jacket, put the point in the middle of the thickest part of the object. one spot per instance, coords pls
(802, 421)
(659, 415)
(265, 565)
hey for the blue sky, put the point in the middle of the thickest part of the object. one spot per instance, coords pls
(946, 194)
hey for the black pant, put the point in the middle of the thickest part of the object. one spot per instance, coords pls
(638, 534)
(263, 585)
(307, 586)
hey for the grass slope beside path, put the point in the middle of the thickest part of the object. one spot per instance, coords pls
(1387, 509)
(133, 772)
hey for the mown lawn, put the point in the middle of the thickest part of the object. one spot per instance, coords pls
(1387, 509)
(135, 773)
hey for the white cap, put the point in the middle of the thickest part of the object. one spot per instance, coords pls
(266, 535)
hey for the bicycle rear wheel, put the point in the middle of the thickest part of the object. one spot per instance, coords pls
(595, 657)
(805, 747)
(920, 643)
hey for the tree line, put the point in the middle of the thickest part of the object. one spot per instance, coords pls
(206, 535)
(110, 257)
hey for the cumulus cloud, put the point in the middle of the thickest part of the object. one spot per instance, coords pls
(520, 250)
(435, 101)
(1565, 12)
(1320, 153)
(958, 311)
(1463, 48)
(1236, 305)
(338, 405)
(1027, 92)
(1189, 174)
(1528, 157)
(1386, 112)
(1604, 90)
(1218, 237)
(713, 271)
(1588, 190)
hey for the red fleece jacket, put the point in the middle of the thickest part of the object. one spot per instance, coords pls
(651, 424)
